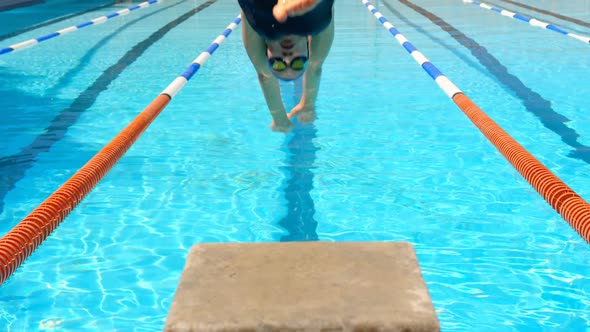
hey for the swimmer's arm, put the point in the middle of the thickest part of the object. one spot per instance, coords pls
(319, 48)
(256, 49)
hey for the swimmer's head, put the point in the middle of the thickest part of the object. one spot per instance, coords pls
(287, 56)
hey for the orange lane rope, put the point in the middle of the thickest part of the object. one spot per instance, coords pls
(574, 209)
(24, 238)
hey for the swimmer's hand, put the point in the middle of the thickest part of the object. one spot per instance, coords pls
(305, 113)
(282, 126)
(290, 8)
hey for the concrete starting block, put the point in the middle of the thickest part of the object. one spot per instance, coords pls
(302, 286)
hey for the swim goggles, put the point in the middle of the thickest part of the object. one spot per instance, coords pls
(279, 64)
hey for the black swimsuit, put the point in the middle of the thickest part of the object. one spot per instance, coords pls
(259, 15)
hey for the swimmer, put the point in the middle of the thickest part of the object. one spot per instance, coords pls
(285, 40)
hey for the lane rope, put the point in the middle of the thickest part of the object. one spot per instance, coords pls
(573, 208)
(20, 242)
(529, 20)
(98, 20)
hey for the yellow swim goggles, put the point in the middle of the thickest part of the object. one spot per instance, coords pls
(279, 64)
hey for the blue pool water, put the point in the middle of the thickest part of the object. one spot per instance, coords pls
(390, 158)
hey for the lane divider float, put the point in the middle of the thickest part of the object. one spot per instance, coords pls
(98, 20)
(531, 21)
(573, 208)
(24, 238)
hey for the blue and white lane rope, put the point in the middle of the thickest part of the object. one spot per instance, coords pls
(443, 82)
(531, 21)
(192, 69)
(95, 21)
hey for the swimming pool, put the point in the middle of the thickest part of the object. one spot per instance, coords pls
(390, 158)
